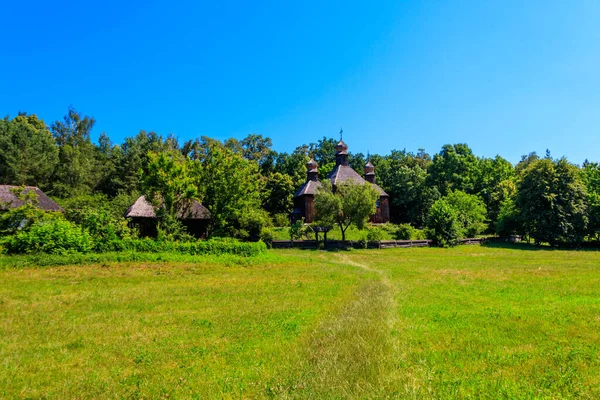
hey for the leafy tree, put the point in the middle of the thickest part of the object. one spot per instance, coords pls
(590, 175)
(169, 185)
(551, 198)
(410, 195)
(494, 184)
(349, 204)
(280, 190)
(326, 170)
(231, 185)
(357, 162)
(256, 148)
(28, 152)
(293, 165)
(323, 151)
(454, 168)
(508, 222)
(78, 171)
(470, 212)
(403, 176)
(443, 224)
(526, 161)
(134, 157)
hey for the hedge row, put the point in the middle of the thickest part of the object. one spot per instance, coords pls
(62, 237)
(212, 246)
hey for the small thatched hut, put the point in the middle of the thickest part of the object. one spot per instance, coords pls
(142, 215)
(9, 198)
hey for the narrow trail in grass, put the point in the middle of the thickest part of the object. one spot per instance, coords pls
(350, 354)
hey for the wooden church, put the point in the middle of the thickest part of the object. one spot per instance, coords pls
(304, 199)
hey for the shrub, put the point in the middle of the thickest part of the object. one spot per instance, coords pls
(55, 236)
(296, 230)
(374, 234)
(470, 211)
(363, 241)
(443, 226)
(404, 232)
(101, 225)
(21, 218)
(251, 222)
(267, 235)
(216, 246)
(281, 220)
(418, 234)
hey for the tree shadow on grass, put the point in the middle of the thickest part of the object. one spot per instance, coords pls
(542, 247)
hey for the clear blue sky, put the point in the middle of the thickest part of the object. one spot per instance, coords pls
(506, 77)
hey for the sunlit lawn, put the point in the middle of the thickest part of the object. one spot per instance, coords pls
(425, 323)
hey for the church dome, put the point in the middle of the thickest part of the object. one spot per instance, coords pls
(312, 165)
(341, 148)
(369, 168)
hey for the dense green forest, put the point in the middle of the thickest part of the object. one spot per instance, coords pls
(247, 185)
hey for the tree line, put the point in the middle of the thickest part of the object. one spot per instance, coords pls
(246, 184)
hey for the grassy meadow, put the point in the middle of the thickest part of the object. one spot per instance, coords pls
(472, 321)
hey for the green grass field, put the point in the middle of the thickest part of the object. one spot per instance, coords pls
(468, 322)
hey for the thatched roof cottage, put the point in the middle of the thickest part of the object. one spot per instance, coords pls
(9, 198)
(142, 215)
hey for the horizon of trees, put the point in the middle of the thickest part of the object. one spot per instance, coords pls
(245, 181)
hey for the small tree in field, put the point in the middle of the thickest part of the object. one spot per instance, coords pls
(443, 224)
(470, 211)
(349, 204)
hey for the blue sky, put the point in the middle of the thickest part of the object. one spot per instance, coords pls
(506, 77)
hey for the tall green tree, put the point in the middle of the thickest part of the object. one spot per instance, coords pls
(134, 157)
(455, 167)
(78, 170)
(590, 174)
(552, 202)
(28, 152)
(279, 189)
(170, 187)
(350, 204)
(403, 175)
(494, 184)
(232, 188)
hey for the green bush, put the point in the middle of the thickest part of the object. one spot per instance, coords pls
(296, 230)
(281, 220)
(418, 234)
(104, 227)
(470, 211)
(267, 235)
(22, 218)
(216, 246)
(54, 236)
(374, 234)
(404, 232)
(251, 223)
(443, 225)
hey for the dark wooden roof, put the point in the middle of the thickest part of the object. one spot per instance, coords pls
(345, 174)
(9, 200)
(143, 209)
(309, 187)
(341, 174)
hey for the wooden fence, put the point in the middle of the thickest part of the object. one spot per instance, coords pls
(338, 244)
